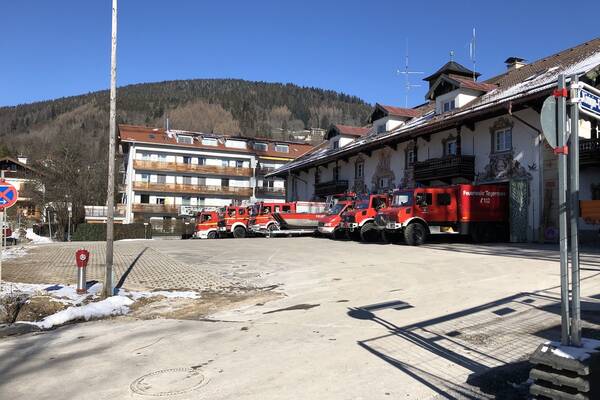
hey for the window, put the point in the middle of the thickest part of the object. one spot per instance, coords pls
(443, 199)
(381, 128)
(145, 199)
(162, 157)
(359, 170)
(423, 199)
(239, 163)
(201, 182)
(161, 178)
(185, 139)
(383, 183)
(209, 141)
(261, 146)
(268, 183)
(201, 161)
(160, 200)
(336, 144)
(503, 140)
(410, 157)
(282, 148)
(225, 182)
(187, 180)
(450, 149)
(145, 177)
(187, 159)
(186, 200)
(448, 106)
(336, 173)
(225, 163)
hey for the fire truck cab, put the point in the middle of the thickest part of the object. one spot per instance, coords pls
(234, 220)
(480, 211)
(207, 224)
(330, 224)
(359, 222)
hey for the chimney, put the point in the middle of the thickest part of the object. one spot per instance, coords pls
(514, 63)
(22, 159)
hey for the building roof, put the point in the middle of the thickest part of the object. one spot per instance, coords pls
(514, 88)
(355, 131)
(10, 160)
(459, 82)
(158, 136)
(399, 111)
(452, 67)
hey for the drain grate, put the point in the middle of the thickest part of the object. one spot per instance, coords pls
(168, 382)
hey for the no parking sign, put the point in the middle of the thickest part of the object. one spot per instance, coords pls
(8, 195)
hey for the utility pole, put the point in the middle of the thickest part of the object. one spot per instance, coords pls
(110, 194)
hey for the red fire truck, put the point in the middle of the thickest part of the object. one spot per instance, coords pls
(234, 220)
(330, 223)
(480, 211)
(359, 223)
(207, 224)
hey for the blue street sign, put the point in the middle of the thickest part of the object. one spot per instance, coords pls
(8, 195)
(590, 103)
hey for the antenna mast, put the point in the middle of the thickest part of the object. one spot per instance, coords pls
(406, 73)
(472, 52)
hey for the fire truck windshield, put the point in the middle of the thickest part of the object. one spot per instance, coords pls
(336, 209)
(402, 199)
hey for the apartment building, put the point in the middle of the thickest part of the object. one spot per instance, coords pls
(467, 131)
(168, 174)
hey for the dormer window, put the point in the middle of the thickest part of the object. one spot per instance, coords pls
(336, 144)
(381, 128)
(185, 139)
(209, 141)
(282, 148)
(261, 146)
(448, 105)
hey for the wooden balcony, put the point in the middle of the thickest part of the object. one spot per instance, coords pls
(192, 189)
(155, 208)
(270, 191)
(190, 168)
(589, 152)
(331, 187)
(445, 168)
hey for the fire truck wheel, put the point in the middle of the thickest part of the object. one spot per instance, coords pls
(415, 234)
(368, 232)
(212, 235)
(239, 232)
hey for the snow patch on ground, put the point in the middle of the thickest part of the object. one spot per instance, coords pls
(36, 239)
(574, 353)
(116, 305)
(13, 252)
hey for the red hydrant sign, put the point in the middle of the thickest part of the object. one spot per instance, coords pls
(82, 257)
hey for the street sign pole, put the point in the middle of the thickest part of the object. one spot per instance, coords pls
(560, 94)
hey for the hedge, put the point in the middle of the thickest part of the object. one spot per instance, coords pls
(97, 232)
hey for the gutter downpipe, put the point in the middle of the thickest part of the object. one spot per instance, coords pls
(540, 139)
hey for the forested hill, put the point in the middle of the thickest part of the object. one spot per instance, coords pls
(226, 106)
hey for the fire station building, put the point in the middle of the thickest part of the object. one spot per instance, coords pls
(170, 173)
(468, 131)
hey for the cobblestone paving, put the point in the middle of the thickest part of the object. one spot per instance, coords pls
(148, 268)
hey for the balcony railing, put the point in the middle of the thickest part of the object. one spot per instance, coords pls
(190, 168)
(192, 189)
(155, 208)
(331, 187)
(264, 170)
(445, 168)
(589, 151)
(101, 211)
(279, 191)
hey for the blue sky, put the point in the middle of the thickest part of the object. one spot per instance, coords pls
(60, 48)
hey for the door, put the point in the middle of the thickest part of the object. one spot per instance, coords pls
(518, 206)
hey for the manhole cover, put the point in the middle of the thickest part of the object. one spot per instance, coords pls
(168, 382)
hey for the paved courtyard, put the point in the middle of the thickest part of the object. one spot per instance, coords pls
(356, 321)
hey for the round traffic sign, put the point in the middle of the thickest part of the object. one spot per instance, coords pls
(8, 195)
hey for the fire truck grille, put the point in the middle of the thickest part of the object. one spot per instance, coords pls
(381, 220)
